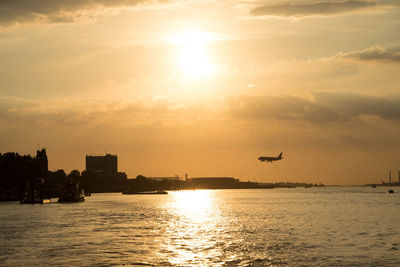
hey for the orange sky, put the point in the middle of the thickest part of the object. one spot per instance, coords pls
(205, 87)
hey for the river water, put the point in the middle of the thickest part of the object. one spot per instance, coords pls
(320, 227)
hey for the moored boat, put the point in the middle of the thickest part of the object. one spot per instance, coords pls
(34, 199)
(33, 193)
(71, 192)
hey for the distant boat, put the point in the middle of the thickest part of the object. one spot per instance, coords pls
(391, 191)
(71, 192)
(33, 193)
(34, 199)
(160, 192)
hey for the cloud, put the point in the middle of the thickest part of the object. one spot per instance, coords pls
(281, 108)
(64, 112)
(355, 105)
(325, 107)
(315, 8)
(321, 108)
(374, 53)
(20, 11)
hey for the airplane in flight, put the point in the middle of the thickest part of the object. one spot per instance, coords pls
(271, 159)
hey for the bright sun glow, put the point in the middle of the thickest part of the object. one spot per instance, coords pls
(193, 204)
(193, 58)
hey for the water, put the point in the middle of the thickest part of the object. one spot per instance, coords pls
(318, 226)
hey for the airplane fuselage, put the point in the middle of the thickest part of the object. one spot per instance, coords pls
(271, 159)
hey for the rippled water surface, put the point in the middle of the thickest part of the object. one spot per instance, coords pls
(326, 226)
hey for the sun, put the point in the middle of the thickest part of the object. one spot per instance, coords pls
(193, 59)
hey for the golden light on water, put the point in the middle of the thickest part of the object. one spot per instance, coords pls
(192, 231)
(193, 204)
(193, 60)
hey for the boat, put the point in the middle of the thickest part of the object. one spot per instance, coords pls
(159, 192)
(390, 191)
(71, 192)
(33, 193)
(34, 198)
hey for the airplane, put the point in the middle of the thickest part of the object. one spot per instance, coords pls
(271, 159)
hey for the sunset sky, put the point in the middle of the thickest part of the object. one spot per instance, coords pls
(205, 87)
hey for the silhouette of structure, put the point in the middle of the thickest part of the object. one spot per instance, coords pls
(71, 192)
(22, 176)
(101, 174)
(389, 182)
(144, 184)
(102, 165)
(27, 179)
(165, 178)
(213, 182)
(42, 165)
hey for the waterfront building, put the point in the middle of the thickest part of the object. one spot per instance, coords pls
(166, 178)
(41, 163)
(104, 166)
(213, 182)
(107, 164)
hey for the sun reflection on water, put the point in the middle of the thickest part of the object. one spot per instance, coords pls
(194, 205)
(192, 232)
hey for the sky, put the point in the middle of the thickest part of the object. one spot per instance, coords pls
(205, 87)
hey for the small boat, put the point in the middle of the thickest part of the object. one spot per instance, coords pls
(71, 192)
(33, 193)
(160, 192)
(34, 199)
(390, 191)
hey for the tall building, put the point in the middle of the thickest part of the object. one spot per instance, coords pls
(41, 164)
(102, 174)
(102, 165)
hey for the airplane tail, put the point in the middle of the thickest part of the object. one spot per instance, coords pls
(280, 155)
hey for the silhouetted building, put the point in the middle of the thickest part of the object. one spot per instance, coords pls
(214, 179)
(172, 178)
(101, 174)
(213, 182)
(41, 164)
(20, 174)
(102, 165)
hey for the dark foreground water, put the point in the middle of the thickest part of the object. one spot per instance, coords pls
(323, 227)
